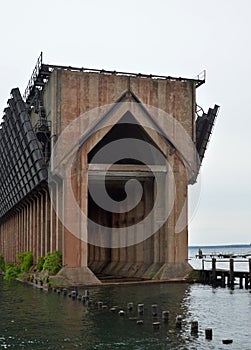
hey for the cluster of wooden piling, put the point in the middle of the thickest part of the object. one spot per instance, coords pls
(100, 305)
(223, 278)
(140, 307)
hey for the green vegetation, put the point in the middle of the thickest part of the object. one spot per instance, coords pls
(50, 264)
(53, 262)
(40, 263)
(151, 275)
(26, 261)
(12, 271)
(2, 264)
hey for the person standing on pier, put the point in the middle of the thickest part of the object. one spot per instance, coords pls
(200, 254)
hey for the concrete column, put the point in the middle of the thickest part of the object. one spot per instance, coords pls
(30, 221)
(42, 224)
(59, 223)
(47, 222)
(53, 221)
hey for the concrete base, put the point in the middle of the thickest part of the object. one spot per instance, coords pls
(173, 271)
(78, 276)
(156, 271)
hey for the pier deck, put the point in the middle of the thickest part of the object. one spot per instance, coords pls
(222, 277)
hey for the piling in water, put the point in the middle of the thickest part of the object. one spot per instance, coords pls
(194, 327)
(231, 273)
(223, 280)
(141, 309)
(209, 333)
(89, 302)
(156, 325)
(73, 294)
(100, 304)
(249, 263)
(121, 313)
(130, 306)
(178, 321)
(154, 310)
(165, 316)
(246, 280)
(84, 299)
(214, 274)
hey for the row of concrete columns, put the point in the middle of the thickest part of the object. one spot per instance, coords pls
(33, 226)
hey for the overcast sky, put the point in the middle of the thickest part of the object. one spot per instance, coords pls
(178, 38)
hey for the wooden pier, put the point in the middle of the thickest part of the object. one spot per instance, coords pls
(226, 277)
(223, 255)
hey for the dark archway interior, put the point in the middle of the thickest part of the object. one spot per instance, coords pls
(99, 257)
(115, 188)
(127, 127)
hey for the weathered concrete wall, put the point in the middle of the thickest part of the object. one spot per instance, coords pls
(36, 227)
(81, 92)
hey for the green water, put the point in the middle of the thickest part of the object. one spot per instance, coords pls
(35, 319)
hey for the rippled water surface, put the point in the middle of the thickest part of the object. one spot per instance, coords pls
(35, 319)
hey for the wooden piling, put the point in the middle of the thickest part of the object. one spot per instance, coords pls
(121, 313)
(249, 263)
(246, 280)
(214, 274)
(209, 333)
(154, 310)
(140, 309)
(223, 280)
(241, 282)
(100, 304)
(194, 327)
(204, 277)
(73, 294)
(130, 306)
(231, 273)
(165, 316)
(156, 325)
(178, 321)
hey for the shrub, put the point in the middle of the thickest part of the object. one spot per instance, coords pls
(151, 275)
(26, 260)
(53, 262)
(2, 264)
(12, 271)
(40, 263)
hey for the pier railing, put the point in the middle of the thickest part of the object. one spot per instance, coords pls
(216, 276)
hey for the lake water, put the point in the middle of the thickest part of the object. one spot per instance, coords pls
(34, 319)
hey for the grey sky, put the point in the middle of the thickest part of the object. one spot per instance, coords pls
(179, 38)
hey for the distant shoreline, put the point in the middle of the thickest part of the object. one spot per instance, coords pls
(221, 246)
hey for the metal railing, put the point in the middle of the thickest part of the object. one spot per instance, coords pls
(34, 77)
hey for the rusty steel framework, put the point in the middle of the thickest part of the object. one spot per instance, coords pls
(22, 163)
(204, 128)
(42, 71)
